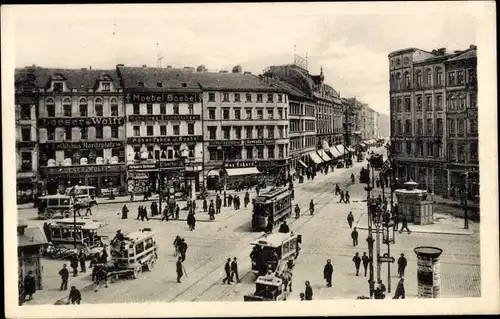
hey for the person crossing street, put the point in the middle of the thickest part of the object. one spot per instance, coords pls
(354, 236)
(366, 260)
(328, 273)
(402, 262)
(350, 219)
(179, 269)
(357, 263)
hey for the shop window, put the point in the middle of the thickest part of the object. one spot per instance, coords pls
(114, 107)
(176, 129)
(26, 134)
(136, 109)
(114, 132)
(118, 152)
(163, 108)
(176, 108)
(98, 107)
(26, 162)
(190, 129)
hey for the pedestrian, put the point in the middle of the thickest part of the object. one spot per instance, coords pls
(218, 205)
(354, 236)
(350, 219)
(396, 220)
(177, 211)
(230, 200)
(366, 260)
(64, 273)
(308, 292)
(404, 222)
(179, 269)
(75, 297)
(353, 179)
(380, 290)
(211, 213)
(301, 295)
(347, 196)
(82, 257)
(101, 275)
(139, 212)
(311, 207)
(400, 290)
(341, 196)
(29, 286)
(284, 228)
(191, 221)
(328, 273)
(337, 189)
(234, 270)
(183, 249)
(125, 212)
(402, 262)
(227, 271)
(357, 263)
(247, 199)
(165, 214)
(74, 264)
(205, 205)
(297, 211)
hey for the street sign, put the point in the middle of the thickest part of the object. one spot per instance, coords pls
(386, 259)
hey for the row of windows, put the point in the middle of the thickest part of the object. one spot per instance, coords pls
(301, 109)
(429, 129)
(26, 134)
(455, 151)
(26, 162)
(59, 86)
(163, 151)
(281, 98)
(302, 126)
(250, 152)
(82, 107)
(226, 132)
(270, 112)
(150, 131)
(75, 155)
(67, 133)
(397, 104)
(302, 142)
(163, 109)
(425, 79)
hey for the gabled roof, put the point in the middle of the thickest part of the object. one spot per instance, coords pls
(170, 79)
(32, 236)
(468, 54)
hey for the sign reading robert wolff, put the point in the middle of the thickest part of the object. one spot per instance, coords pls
(163, 97)
(87, 121)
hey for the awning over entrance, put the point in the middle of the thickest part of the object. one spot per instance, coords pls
(213, 173)
(315, 157)
(242, 171)
(324, 156)
(340, 147)
(335, 152)
(302, 163)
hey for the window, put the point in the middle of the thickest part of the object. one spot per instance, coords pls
(83, 108)
(280, 114)
(419, 104)
(114, 131)
(211, 113)
(137, 130)
(248, 114)
(399, 104)
(163, 108)
(51, 133)
(85, 133)
(461, 102)
(460, 129)
(237, 114)
(408, 148)
(26, 164)
(418, 79)
(408, 127)
(236, 97)
(225, 97)
(439, 102)
(259, 98)
(407, 105)
(430, 148)
(225, 114)
(260, 152)
(136, 109)
(248, 97)
(260, 132)
(140, 84)
(421, 149)
(473, 127)
(281, 151)
(58, 87)
(473, 100)
(260, 114)
(460, 77)
(150, 130)
(191, 108)
(98, 132)
(67, 134)
(428, 126)
(439, 127)
(452, 129)
(114, 107)
(280, 131)
(212, 132)
(270, 132)
(473, 151)
(190, 128)
(176, 129)
(249, 132)
(212, 154)
(237, 133)
(159, 84)
(211, 97)
(428, 78)
(270, 151)
(452, 103)
(176, 108)
(407, 80)
(461, 152)
(451, 78)
(67, 107)
(51, 108)
(97, 107)
(25, 112)
(428, 103)
(25, 134)
(149, 109)
(270, 98)
(280, 98)
(420, 127)
(225, 132)
(249, 151)
(439, 76)
(398, 81)
(106, 86)
(270, 114)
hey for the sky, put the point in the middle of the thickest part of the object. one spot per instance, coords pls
(351, 41)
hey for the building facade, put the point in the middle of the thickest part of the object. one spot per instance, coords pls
(245, 125)
(26, 134)
(420, 129)
(81, 129)
(163, 128)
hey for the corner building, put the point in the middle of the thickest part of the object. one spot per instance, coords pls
(81, 129)
(163, 109)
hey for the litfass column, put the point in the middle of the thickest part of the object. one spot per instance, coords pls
(428, 274)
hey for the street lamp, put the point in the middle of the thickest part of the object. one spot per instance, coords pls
(370, 239)
(184, 154)
(465, 196)
(377, 222)
(223, 167)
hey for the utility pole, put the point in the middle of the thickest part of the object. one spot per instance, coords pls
(465, 195)
(370, 239)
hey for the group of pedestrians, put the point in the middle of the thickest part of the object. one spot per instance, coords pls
(231, 271)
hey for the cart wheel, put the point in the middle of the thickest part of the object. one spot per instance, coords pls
(49, 213)
(151, 264)
(137, 272)
(66, 214)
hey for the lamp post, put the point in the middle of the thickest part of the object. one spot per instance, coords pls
(377, 227)
(223, 167)
(184, 154)
(370, 240)
(465, 195)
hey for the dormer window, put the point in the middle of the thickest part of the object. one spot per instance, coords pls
(159, 84)
(106, 86)
(58, 87)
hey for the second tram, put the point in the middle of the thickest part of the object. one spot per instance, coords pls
(273, 207)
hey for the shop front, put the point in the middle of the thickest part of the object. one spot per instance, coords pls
(26, 187)
(315, 160)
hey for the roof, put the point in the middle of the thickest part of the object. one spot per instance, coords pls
(138, 235)
(289, 88)
(468, 54)
(171, 79)
(407, 50)
(80, 79)
(235, 82)
(33, 236)
(55, 196)
(273, 240)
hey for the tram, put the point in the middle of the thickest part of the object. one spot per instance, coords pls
(273, 206)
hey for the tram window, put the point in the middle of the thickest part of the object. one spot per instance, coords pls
(286, 248)
(139, 248)
(149, 243)
(53, 202)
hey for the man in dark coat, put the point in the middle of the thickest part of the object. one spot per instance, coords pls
(74, 265)
(308, 292)
(64, 273)
(366, 260)
(347, 197)
(191, 221)
(75, 297)
(182, 249)
(177, 211)
(341, 200)
(124, 212)
(230, 200)
(247, 199)
(404, 221)
(179, 269)
(205, 205)
(328, 273)
(234, 270)
(284, 228)
(402, 262)
(357, 262)
(227, 270)
(218, 204)
(354, 236)
(350, 219)
(29, 286)
(166, 214)
(400, 290)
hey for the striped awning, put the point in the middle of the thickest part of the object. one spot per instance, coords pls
(340, 147)
(315, 157)
(335, 152)
(302, 163)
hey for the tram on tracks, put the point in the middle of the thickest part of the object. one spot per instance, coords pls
(273, 206)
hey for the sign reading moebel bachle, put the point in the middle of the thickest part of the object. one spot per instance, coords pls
(141, 97)
(87, 121)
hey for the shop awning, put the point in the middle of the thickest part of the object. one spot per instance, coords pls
(335, 152)
(350, 149)
(315, 157)
(213, 173)
(324, 156)
(242, 171)
(340, 147)
(302, 163)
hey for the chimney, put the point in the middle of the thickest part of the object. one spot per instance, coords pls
(169, 66)
(442, 51)
(144, 66)
(237, 69)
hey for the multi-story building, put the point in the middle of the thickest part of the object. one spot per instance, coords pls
(357, 120)
(245, 125)
(164, 128)
(81, 129)
(26, 134)
(384, 125)
(419, 125)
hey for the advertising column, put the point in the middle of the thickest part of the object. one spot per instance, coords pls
(428, 273)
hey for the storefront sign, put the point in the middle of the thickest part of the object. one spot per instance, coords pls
(178, 117)
(79, 145)
(271, 163)
(154, 166)
(224, 143)
(87, 121)
(163, 97)
(29, 144)
(142, 167)
(86, 169)
(240, 164)
(257, 141)
(165, 139)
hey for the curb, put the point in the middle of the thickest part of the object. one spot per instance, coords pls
(432, 232)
